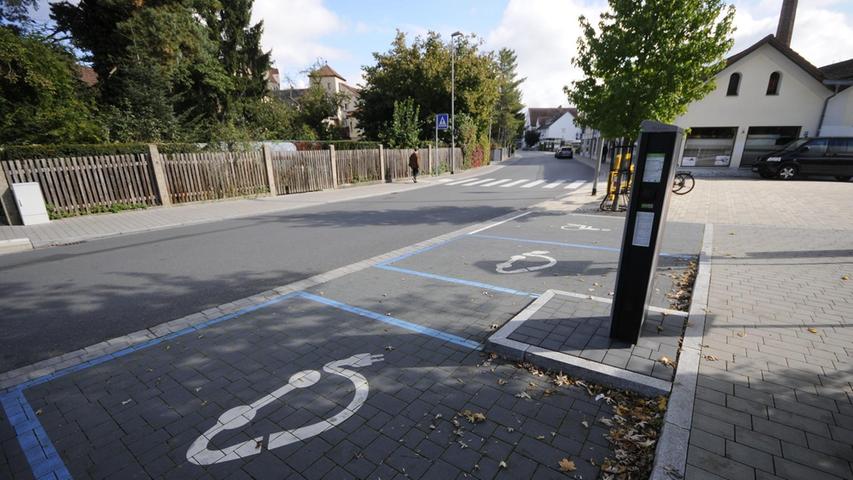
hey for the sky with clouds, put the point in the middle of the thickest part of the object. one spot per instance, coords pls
(544, 33)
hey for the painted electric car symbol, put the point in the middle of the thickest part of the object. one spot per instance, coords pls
(581, 227)
(238, 417)
(505, 266)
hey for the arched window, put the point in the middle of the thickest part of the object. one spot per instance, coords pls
(734, 85)
(773, 83)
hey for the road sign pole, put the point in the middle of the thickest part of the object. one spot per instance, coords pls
(660, 147)
(452, 104)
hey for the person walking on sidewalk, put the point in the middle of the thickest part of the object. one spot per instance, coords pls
(413, 164)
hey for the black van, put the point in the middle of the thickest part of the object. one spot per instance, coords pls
(819, 156)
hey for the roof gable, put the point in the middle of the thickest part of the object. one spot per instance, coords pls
(785, 50)
(839, 71)
(547, 116)
(327, 71)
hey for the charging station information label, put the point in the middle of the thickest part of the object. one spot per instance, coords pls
(643, 229)
(654, 167)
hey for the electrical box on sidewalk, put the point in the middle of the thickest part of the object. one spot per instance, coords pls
(30, 202)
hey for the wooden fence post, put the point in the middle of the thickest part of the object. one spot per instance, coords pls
(7, 201)
(270, 171)
(159, 176)
(429, 159)
(334, 159)
(382, 163)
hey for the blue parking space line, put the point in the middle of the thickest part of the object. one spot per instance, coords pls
(394, 321)
(43, 458)
(45, 462)
(416, 252)
(460, 281)
(570, 245)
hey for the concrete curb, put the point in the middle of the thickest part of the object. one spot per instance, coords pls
(671, 450)
(15, 245)
(596, 372)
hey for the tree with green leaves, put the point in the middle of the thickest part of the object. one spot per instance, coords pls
(648, 60)
(42, 99)
(239, 50)
(421, 71)
(509, 119)
(405, 128)
(531, 137)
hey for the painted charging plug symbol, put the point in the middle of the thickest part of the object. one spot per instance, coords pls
(241, 416)
(505, 266)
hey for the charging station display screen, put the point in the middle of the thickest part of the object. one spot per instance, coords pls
(654, 167)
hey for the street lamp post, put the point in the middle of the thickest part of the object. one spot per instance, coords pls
(453, 100)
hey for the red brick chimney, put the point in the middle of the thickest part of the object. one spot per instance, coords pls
(786, 21)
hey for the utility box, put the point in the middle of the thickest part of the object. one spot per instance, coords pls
(30, 203)
(660, 147)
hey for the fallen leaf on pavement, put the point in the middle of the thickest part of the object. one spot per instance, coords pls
(666, 361)
(812, 330)
(501, 381)
(502, 464)
(473, 417)
(389, 348)
(522, 395)
(562, 380)
(711, 358)
(845, 277)
(585, 424)
(567, 465)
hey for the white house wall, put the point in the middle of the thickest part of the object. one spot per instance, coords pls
(563, 128)
(799, 102)
(839, 115)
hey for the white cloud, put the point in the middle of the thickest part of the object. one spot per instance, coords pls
(818, 24)
(293, 30)
(544, 35)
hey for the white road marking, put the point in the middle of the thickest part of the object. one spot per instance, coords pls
(499, 223)
(575, 184)
(444, 180)
(461, 181)
(553, 185)
(471, 184)
(242, 415)
(502, 267)
(512, 184)
(533, 184)
(582, 227)
(497, 182)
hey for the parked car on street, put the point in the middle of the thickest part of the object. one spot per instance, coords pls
(565, 152)
(819, 156)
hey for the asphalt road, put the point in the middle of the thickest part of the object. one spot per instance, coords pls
(64, 298)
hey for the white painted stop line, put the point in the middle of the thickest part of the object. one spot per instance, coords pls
(461, 181)
(444, 180)
(533, 184)
(471, 184)
(553, 185)
(497, 182)
(512, 184)
(575, 184)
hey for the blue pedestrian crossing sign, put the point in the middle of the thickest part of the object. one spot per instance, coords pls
(441, 121)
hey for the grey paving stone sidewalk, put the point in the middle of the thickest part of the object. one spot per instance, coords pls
(775, 387)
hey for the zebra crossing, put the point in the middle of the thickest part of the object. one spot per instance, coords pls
(509, 183)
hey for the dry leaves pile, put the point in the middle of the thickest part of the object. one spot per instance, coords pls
(634, 430)
(682, 287)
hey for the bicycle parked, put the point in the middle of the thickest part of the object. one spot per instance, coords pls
(683, 183)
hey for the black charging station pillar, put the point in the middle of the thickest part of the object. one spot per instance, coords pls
(659, 148)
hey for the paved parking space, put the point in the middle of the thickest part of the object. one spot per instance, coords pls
(275, 392)
(532, 254)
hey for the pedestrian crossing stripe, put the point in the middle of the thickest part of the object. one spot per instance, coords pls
(508, 182)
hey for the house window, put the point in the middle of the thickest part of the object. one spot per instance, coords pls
(734, 85)
(773, 83)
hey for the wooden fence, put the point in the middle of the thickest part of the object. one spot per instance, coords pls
(83, 184)
(194, 177)
(354, 166)
(305, 171)
(95, 183)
